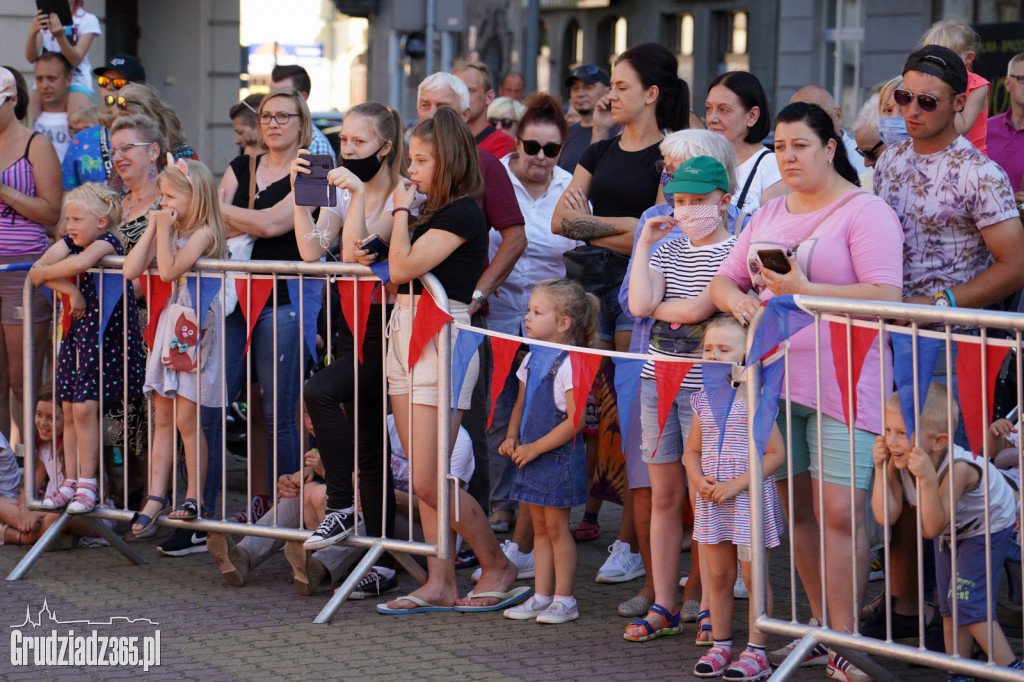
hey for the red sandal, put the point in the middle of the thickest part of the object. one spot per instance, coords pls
(586, 530)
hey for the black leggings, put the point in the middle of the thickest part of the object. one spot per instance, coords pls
(326, 394)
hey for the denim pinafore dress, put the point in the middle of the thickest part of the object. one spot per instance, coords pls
(557, 478)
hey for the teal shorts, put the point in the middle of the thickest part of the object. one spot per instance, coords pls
(835, 448)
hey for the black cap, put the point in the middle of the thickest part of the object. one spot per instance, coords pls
(126, 65)
(589, 74)
(940, 62)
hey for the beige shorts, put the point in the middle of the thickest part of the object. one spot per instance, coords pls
(424, 375)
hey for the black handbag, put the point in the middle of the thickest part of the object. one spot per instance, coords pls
(598, 269)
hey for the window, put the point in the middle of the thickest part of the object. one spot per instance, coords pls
(677, 33)
(731, 41)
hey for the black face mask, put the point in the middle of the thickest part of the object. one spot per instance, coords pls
(365, 169)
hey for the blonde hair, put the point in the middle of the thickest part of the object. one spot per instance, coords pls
(933, 412)
(85, 118)
(885, 94)
(101, 201)
(955, 34)
(203, 205)
(305, 119)
(147, 128)
(506, 107)
(145, 100)
(578, 305)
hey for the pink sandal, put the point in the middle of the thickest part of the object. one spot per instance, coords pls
(58, 499)
(586, 530)
(713, 663)
(83, 502)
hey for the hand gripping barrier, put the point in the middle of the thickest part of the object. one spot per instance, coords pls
(248, 282)
(968, 350)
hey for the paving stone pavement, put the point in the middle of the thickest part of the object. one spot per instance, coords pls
(211, 631)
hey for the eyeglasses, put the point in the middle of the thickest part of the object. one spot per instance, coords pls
(121, 102)
(664, 167)
(532, 148)
(928, 103)
(281, 118)
(502, 122)
(119, 83)
(1019, 79)
(123, 149)
(871, 155)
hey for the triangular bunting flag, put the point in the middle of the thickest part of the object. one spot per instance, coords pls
(626, 381)
(261, 290)
(157, 293)
(541, 359)
(969, 388)
(311, 295)
(721, 393)
(209, 287)
(382, 271)
(585, 367)
(428, 321)
(782, 319)
(504, 352)
(356, 293)
(111, 291)
(65, 315)
(668, 376)
(903, 372)
(47, 292)
(768, 404)
(466, 344)
(863, 338)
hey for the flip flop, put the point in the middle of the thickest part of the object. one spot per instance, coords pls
(421, 607)
(510, 598)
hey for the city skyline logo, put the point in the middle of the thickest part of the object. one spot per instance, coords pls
(52, 618)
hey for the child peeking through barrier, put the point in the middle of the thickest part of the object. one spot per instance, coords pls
(926, 467)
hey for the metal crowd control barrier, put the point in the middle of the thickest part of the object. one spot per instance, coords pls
(920, 322)
(225, 273)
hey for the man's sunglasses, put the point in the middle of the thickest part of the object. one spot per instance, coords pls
(871, 154)
(928, 103)
(532, 147)
(119, 83)
(121, 102)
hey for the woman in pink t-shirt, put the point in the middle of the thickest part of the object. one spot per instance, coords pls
(843, 243)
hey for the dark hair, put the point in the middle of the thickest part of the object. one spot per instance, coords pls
(823, 126)
(55, 57)
(745, 85)
(21, 103)
(387, 125)
(543, 108)
(657, 66)
(248, 109)
(299, 76)
(456, 160)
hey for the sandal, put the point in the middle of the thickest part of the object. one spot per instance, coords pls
(713, 663)
(586, 530)
(671, 626)
(750, 666)
(147, 522)
(190, 507)
(84, 500)
(704, 626)
(58, 499)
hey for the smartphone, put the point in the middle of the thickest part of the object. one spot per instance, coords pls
(313, 189)
(775, 260)
(58, 7)
(374, 243)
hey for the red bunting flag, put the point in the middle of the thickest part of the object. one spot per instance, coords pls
(351, 296)
(863, 338)
(157, 293)
(668, 376)
(261, 290)
(65, 314)
(504, 352)
(585, 367)
(968, 377)
(428, 322)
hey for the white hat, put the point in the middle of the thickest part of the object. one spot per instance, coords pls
(8, 86)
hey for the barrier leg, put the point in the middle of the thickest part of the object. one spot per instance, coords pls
(794, 659)
(37, 549)
(411, 566)
(345, 589)
(115, 540)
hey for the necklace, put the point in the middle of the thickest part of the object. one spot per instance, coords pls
(132, 201)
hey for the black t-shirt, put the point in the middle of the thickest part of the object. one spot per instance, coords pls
(458, 272)
(576, 142)
(281, 247)
(623, 184)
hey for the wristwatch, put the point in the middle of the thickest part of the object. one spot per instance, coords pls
(479, 297)
(942, 299)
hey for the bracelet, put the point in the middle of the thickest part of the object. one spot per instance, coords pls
(17, 198)
(399, 209)
(227, 214)
(949, 295)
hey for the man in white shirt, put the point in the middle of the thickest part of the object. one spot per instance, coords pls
(814, 94)
(53, 81)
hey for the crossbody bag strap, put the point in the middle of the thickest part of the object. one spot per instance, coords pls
(846, 200)
(252, 181)
(750, 179)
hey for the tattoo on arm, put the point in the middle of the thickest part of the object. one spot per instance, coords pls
(587, 228)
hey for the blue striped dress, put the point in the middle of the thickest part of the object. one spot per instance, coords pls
(730, 521)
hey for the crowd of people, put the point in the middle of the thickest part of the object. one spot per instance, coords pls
(634, 228)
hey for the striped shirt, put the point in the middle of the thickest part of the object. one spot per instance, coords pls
(687, 270)
(18, 234)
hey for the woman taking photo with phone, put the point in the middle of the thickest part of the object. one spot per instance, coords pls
(842, 242)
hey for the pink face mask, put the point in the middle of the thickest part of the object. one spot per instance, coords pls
(697, 221)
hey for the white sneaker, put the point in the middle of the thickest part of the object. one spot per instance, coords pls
(621, 565)
(559, 612)
(818, 655)
(841, 669)
(524, 562)
(528, 610)
(739, 590)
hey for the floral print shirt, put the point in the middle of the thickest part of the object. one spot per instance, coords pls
(943, 201)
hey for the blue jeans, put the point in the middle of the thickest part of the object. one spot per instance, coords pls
(286, 435)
